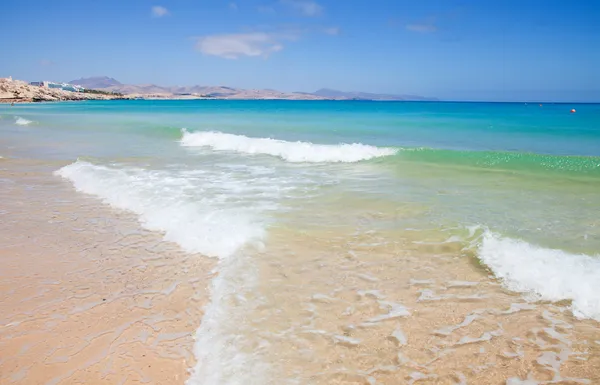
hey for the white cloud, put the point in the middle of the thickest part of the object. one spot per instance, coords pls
(332, 31)
(305, 7)
(46, 63)
(422, 28)
(265, 9)
(234, 46)
(233, 6)
(158, 11)
(426, 26)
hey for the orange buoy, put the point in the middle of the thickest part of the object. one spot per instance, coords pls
(573, 111)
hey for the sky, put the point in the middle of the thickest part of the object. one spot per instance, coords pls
(497, 50)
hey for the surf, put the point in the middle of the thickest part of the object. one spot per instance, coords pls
(22, 121)
(165, 202)
(544, 274)
(296, 152)
(216, 214)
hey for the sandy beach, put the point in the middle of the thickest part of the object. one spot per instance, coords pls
(90, 297)
(86, 295)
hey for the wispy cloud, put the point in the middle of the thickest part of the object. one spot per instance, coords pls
(305, 7)
(158, 11)
(334, 31)
(237, 45)
(233, 6)
(427, 26)
(46, 63)
(265, 9)
(421, 28)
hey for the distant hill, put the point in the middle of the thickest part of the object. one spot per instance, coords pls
(335, 94)
(138, 89)
(110, 84)
(96, 82)
(106, 83)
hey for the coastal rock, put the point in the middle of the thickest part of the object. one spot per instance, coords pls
(16, 91)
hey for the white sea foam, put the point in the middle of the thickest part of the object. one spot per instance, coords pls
(22, 121)
(215, 212)
(545, 274)
(288, 151)
(223, 354)
(168, 203)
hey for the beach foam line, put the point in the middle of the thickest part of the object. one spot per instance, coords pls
(168, 201)
(164, 202)
(288, 151)
(22, 121)
(544, 274)
(223, 354)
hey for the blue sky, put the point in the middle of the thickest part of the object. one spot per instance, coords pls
(451, 49)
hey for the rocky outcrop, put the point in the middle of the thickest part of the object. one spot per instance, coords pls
(15, 91)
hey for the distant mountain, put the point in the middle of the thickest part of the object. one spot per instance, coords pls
(96, 82)
(106, 83)
(335, 94)
(145, 89)
(138, 89)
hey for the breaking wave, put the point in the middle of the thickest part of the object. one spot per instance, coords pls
(288, 151)
(544, 274)
(166, 202)
(22, 121)
(213, 212)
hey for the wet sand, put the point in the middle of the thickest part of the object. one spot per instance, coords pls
(86, 295)
(354, 305)
(399, 312)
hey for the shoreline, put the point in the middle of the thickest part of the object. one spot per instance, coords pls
(37, 101)
(170, 98)
(336, 281)
(89, 296)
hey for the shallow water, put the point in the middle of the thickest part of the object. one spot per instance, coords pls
(357, 242)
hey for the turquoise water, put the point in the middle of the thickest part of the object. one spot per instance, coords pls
(517, 186)
(539, 165)
(546, 129)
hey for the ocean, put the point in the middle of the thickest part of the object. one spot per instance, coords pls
(354, 241)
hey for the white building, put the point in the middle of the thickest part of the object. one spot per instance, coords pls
(62, 86)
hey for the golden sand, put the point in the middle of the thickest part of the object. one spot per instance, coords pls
(400, 312)
(86, 296)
